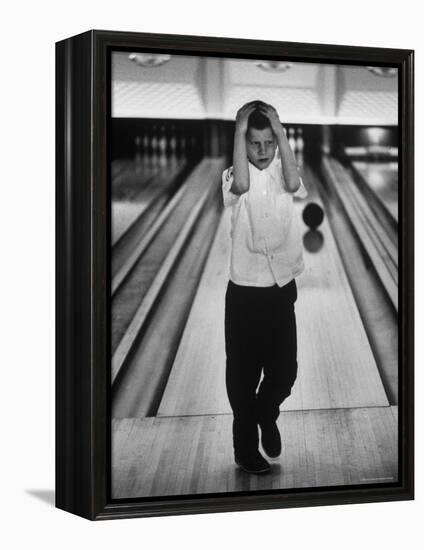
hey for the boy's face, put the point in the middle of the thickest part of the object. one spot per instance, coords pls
(260, 146)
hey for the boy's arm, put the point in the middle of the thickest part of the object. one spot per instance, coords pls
(288, 162)
(241, 182)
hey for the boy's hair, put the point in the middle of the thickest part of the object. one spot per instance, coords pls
(257, 120)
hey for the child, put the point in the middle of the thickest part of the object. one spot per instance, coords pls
(266, 256)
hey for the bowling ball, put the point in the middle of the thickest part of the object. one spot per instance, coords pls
(313, 240)
(313, 215)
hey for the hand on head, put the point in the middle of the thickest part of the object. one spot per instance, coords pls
(265, 109)
(272, 115)
(243, 114)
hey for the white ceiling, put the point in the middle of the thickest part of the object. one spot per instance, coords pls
(200, 87)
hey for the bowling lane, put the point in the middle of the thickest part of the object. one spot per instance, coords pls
(129, 296)
(129, 178)
(382, 178)
(336, 365)
(197, 381)
(136, 189)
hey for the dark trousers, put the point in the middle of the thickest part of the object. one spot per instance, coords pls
(260, 338)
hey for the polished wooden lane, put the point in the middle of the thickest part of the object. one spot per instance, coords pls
(379, 256)
(196, 384)
(382, 178)
(161, 318)
(384, 242)
(143, 211)
(140, 269)
(377, 231)
(336, 364)
(193, 455)
(377, 313)
(130, 180)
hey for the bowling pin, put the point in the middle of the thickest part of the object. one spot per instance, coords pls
(162, 147)
(173, 145)
(292, 140)
(300, 144)
(138, 156)
(154, 148)
(145, 146)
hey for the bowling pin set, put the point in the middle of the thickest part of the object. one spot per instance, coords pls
(296, 142)
(163, 144)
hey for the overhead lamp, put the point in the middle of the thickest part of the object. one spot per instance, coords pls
(274, 66)
(149, 59)
(386, 72)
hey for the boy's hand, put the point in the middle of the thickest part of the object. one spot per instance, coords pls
(242, 116)
(271, 113)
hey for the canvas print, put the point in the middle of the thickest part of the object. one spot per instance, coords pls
(253, 275)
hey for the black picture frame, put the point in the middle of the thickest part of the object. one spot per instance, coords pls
(82, 280)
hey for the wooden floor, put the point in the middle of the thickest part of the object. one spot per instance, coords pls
(192, 455)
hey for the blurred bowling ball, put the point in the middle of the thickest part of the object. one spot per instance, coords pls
(313, 240)
(313, 215)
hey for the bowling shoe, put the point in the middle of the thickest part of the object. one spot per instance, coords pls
(271, 439)
(253, 464)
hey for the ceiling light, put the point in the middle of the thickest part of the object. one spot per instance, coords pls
(273, 66)
(386, 72)
(149, 59)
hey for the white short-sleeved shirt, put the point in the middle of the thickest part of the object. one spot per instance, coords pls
(266, 241)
